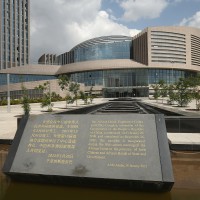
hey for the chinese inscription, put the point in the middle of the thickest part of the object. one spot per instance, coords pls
(51, 135)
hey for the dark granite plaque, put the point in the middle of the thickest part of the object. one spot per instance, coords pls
(116, 151)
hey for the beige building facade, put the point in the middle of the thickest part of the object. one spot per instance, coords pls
(121, 66)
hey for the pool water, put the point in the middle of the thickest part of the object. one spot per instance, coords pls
(186, 167)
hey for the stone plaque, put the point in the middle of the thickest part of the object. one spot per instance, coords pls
(116, 151)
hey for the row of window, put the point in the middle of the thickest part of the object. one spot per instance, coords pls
(132, 77)
(110, 78)
(14, 78)
(195, 50)
(168, 33)
(168, 36)
(16, 9)
(172, 45)
(17, 94)
(169, 43)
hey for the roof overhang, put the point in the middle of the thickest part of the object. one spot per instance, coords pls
(100, 65)
(93, 66)
(32, 69)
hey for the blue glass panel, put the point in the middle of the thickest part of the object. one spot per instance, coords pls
(114, 50)
(15, 78)
(169, 76)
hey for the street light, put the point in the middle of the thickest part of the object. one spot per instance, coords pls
(172, 72)
(8, 93)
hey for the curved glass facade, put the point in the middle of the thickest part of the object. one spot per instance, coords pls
(128, 82)
(101, 48)
(129, 77)
(90, 78)
(114, 50)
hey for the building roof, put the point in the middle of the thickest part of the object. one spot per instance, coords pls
(102, 40)
(32, 69)
(100, 65)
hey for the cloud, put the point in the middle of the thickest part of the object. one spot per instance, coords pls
(193, 21)
(101, 25)
(59, 25)
(178, 1)
(138, 9)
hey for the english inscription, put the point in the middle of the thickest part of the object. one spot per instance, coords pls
(117, 138)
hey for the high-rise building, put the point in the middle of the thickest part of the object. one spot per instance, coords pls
(14, 33)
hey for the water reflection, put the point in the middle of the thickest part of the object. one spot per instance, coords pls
(186, 168)
(32, 191)
(4, 181)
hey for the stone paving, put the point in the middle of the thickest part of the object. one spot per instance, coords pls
(190, 110)
(184, 138)
(8, 121)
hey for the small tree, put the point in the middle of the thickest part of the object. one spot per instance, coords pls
(74, 88)
(46, 99)
(171, 93)
(69, 99)
(84, 97)
(90, 95)
(183, 92)
(46, 102)
(196, 96)
(156, 94)
(55, 97)
(163, 89)
(63, 81)
(195, 84)
(25, 101)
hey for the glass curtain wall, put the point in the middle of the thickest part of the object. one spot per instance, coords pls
(129, 82)
(126, 78)
(90, 78)
(169, 76)
(114, 50)
(129, 77)
(16, 78)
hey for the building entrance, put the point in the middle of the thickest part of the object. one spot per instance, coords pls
(125, 92)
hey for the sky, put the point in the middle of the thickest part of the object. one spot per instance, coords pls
(59, 25)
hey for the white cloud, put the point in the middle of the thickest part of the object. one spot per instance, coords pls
(193, 21)
(59, 25)
(178, 1)
(137, 9)
(101, 25)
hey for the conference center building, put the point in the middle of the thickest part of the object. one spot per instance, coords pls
(115, 66)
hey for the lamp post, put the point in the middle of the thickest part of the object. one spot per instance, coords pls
(8, 93)
(172, 72)
(50, 92)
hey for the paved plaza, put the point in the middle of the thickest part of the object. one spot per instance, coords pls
(190, 110)
(8, 121)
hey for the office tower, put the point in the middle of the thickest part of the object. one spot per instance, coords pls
(14, 33)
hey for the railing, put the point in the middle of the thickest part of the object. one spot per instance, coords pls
(181, 124)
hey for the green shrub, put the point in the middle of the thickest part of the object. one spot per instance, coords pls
(3, 102)
(15, 102)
